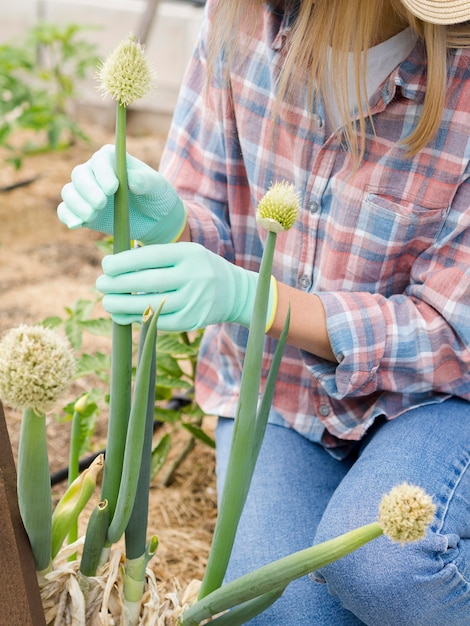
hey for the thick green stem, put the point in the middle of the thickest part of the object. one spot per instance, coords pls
(244, 448)
(74, 448)
(72, 503)
(34, 487)
(136, 531)
(279, 574)
(121, 360)
(135, 439)
(248, 610)
(134, 582)
(122, 236)
(96, 532)
(74, 470)
(270, 387)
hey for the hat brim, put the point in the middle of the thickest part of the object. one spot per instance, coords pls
(440, 11)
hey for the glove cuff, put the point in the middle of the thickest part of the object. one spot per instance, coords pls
(245, 315)
(272, 304)
(168, 229)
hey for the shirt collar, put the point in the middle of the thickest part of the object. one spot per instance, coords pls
(408, 79)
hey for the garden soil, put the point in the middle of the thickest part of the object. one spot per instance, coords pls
(44, 268)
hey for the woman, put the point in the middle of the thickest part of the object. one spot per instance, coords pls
(374, 386)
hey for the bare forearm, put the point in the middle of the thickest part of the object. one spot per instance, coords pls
(307, 328)
(186, 234)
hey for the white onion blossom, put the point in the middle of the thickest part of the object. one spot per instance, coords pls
(278, 208)
(36, 367)
(406, 512)
(126, 74)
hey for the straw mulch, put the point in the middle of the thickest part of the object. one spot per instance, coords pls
(69, 598)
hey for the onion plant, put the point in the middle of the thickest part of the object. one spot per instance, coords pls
(404, 516)
(138, 550)
(276, 212)
(126, 77)
(66, 513)
(128, 481)
(95, 538)
(79, 409)
(36, 368)
(131, 510)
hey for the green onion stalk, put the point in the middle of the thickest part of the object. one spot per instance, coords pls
(131, 510)
(404, 516)
(79, 410)
(95, 538)
(72, 503)
(74, 458)
(135, 439)
(276, 212)
(34, 488)
(126, 76)
(132, 504)
(121, 355)
(138, 551)
(36, 368)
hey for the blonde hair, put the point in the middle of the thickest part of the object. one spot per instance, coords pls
(344, 26)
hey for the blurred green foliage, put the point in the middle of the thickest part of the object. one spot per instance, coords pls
(39, 78)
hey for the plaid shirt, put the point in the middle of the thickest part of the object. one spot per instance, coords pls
(387, 250)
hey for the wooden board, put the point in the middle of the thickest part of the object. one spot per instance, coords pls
(20, 601)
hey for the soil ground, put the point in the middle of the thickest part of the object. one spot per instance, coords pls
(44, 267)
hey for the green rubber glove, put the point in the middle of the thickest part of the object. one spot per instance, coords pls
(156, 213)
(199, 287)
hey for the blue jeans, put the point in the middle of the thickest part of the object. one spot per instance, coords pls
(300, 495)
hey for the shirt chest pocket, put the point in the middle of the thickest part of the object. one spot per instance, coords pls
(389, 236)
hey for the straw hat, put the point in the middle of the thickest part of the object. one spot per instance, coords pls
(440, 11)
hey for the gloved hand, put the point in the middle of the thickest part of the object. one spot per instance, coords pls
(156, 213)
(199, 287)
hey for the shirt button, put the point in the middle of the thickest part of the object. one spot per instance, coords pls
(304, 281)
(324, 410)
(313, 207)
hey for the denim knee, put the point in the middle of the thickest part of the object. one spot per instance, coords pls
(424, 583)
(419, 584)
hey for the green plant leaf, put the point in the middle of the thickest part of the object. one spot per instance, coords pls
(83, 308)
(175, 382)
(87, 426)
(105, 245)
(163, 393)
(53, 321)
(98, 364)
(170, 343)
(74, 333)
(167, 415)
(168, 364)
(100, 326)
(159, 455)
(36, 88)
(193, 411)
(199, 434)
